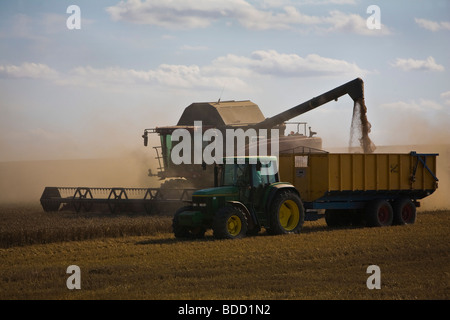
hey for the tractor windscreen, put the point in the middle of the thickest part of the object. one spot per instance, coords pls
(264, 174)
(235, 174)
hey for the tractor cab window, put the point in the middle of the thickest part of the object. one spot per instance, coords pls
(235, 174)
(263, 174)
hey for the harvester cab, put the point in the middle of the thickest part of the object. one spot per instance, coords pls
(248, 196)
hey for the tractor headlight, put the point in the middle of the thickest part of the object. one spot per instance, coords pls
(195, 204)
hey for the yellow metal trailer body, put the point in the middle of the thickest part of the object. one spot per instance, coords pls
(354, 178)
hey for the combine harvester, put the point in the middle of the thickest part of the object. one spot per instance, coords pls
(181, 180)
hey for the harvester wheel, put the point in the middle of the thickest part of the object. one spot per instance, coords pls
(186, 232)
(229, 223)
(379, 213)
(286, 214)
(404, 211)
(49, 204)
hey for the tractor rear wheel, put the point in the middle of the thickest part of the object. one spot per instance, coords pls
(286, 214)
(404, 211)
(181, 231)
(229, 223)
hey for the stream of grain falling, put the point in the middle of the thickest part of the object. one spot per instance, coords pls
(360, 128)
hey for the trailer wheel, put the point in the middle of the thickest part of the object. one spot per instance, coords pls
(379, 213)
(404, 211)
(332, 219)
(183, 231)
(286, 214)
(342, 218)
(229, 223)
(337, 218)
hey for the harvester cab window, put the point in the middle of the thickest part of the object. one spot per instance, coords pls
(166, 144)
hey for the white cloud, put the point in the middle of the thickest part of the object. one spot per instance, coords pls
(421, 65)
(178, 14)
(238, 72)
(171, 76)
(271, 62)
(432, 25)
(446, 97)
(173, 14)
(29, 70)
(430, 105)
(353, 23)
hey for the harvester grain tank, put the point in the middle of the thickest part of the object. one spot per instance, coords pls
(180, 181)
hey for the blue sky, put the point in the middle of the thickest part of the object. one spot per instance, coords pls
(133, 65)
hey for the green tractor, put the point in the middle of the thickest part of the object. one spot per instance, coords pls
(247, 196)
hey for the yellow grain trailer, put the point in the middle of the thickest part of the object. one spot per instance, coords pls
(379, 188)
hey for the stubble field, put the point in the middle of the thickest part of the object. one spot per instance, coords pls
(137, 257)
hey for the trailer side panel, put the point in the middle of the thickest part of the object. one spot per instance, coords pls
(326, 176)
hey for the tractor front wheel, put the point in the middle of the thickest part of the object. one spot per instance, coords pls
(181, 231)
(229, 223)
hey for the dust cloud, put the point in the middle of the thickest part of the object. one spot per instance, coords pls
(439, 200)
(24, 181)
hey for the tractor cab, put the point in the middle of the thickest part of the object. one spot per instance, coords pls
(250, 176)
